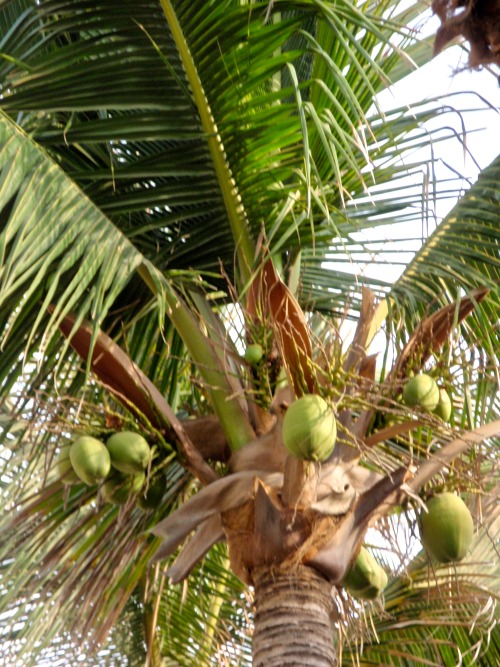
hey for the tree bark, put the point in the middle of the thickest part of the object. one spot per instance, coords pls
(294, 614)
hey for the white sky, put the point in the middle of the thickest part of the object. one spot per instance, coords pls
(445, 74)
(439, 77)
(478, 92)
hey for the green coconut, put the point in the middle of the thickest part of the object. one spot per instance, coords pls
(129, 451)
(118, 488)
(152, 497)
(64, 468)
(90, 459)
(443, 408)
(446, 529)
(421, 391)
(366, 579)
(309, 428)
(253, 353)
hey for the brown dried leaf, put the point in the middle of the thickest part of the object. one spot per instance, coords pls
(207, 435)
(208, 533)
(224, 494)
(368, 367)
(392, 431)
(271, 303)
(333, 557)
(478, 21)
(433, 332)
(357, 348)
(300, 483)
(266, 453)
(291, 331)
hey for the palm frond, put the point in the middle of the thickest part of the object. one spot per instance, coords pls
(133, 164)
(467, 237)
(57, 248)
(138, 145)
(81, 558)
(206, 619)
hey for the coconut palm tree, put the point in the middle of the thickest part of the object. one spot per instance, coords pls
(184, 186)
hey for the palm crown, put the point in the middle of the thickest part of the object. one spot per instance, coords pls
(175, 178)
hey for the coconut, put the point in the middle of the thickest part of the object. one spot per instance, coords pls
(90, 459)
(421, 391)
(129, 451)
(118, 488)
(64, 467)
(253, 353)
(443, 408)
(366, 579)
(446, 529)
(309, 428)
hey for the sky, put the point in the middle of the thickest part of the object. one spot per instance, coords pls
(447, 74)
(474, 89)
(476, 93)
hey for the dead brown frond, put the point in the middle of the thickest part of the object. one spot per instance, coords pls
(477, 21)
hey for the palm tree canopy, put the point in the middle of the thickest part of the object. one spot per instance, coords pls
(150, 153)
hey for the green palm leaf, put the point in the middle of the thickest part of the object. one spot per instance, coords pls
(57, 248)
(467, 237)
(141, 149)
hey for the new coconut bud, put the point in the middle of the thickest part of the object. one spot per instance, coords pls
(446, 528)
(309, 428)
(253, 353)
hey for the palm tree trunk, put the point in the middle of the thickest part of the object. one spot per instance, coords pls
(293, 619)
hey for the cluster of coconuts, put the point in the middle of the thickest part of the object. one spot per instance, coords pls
(309, 433)
(119, 464)
(446, 527)
(310, 430)
(446, 531)
(422, 391)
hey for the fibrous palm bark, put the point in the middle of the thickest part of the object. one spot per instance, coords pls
(294, 616)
